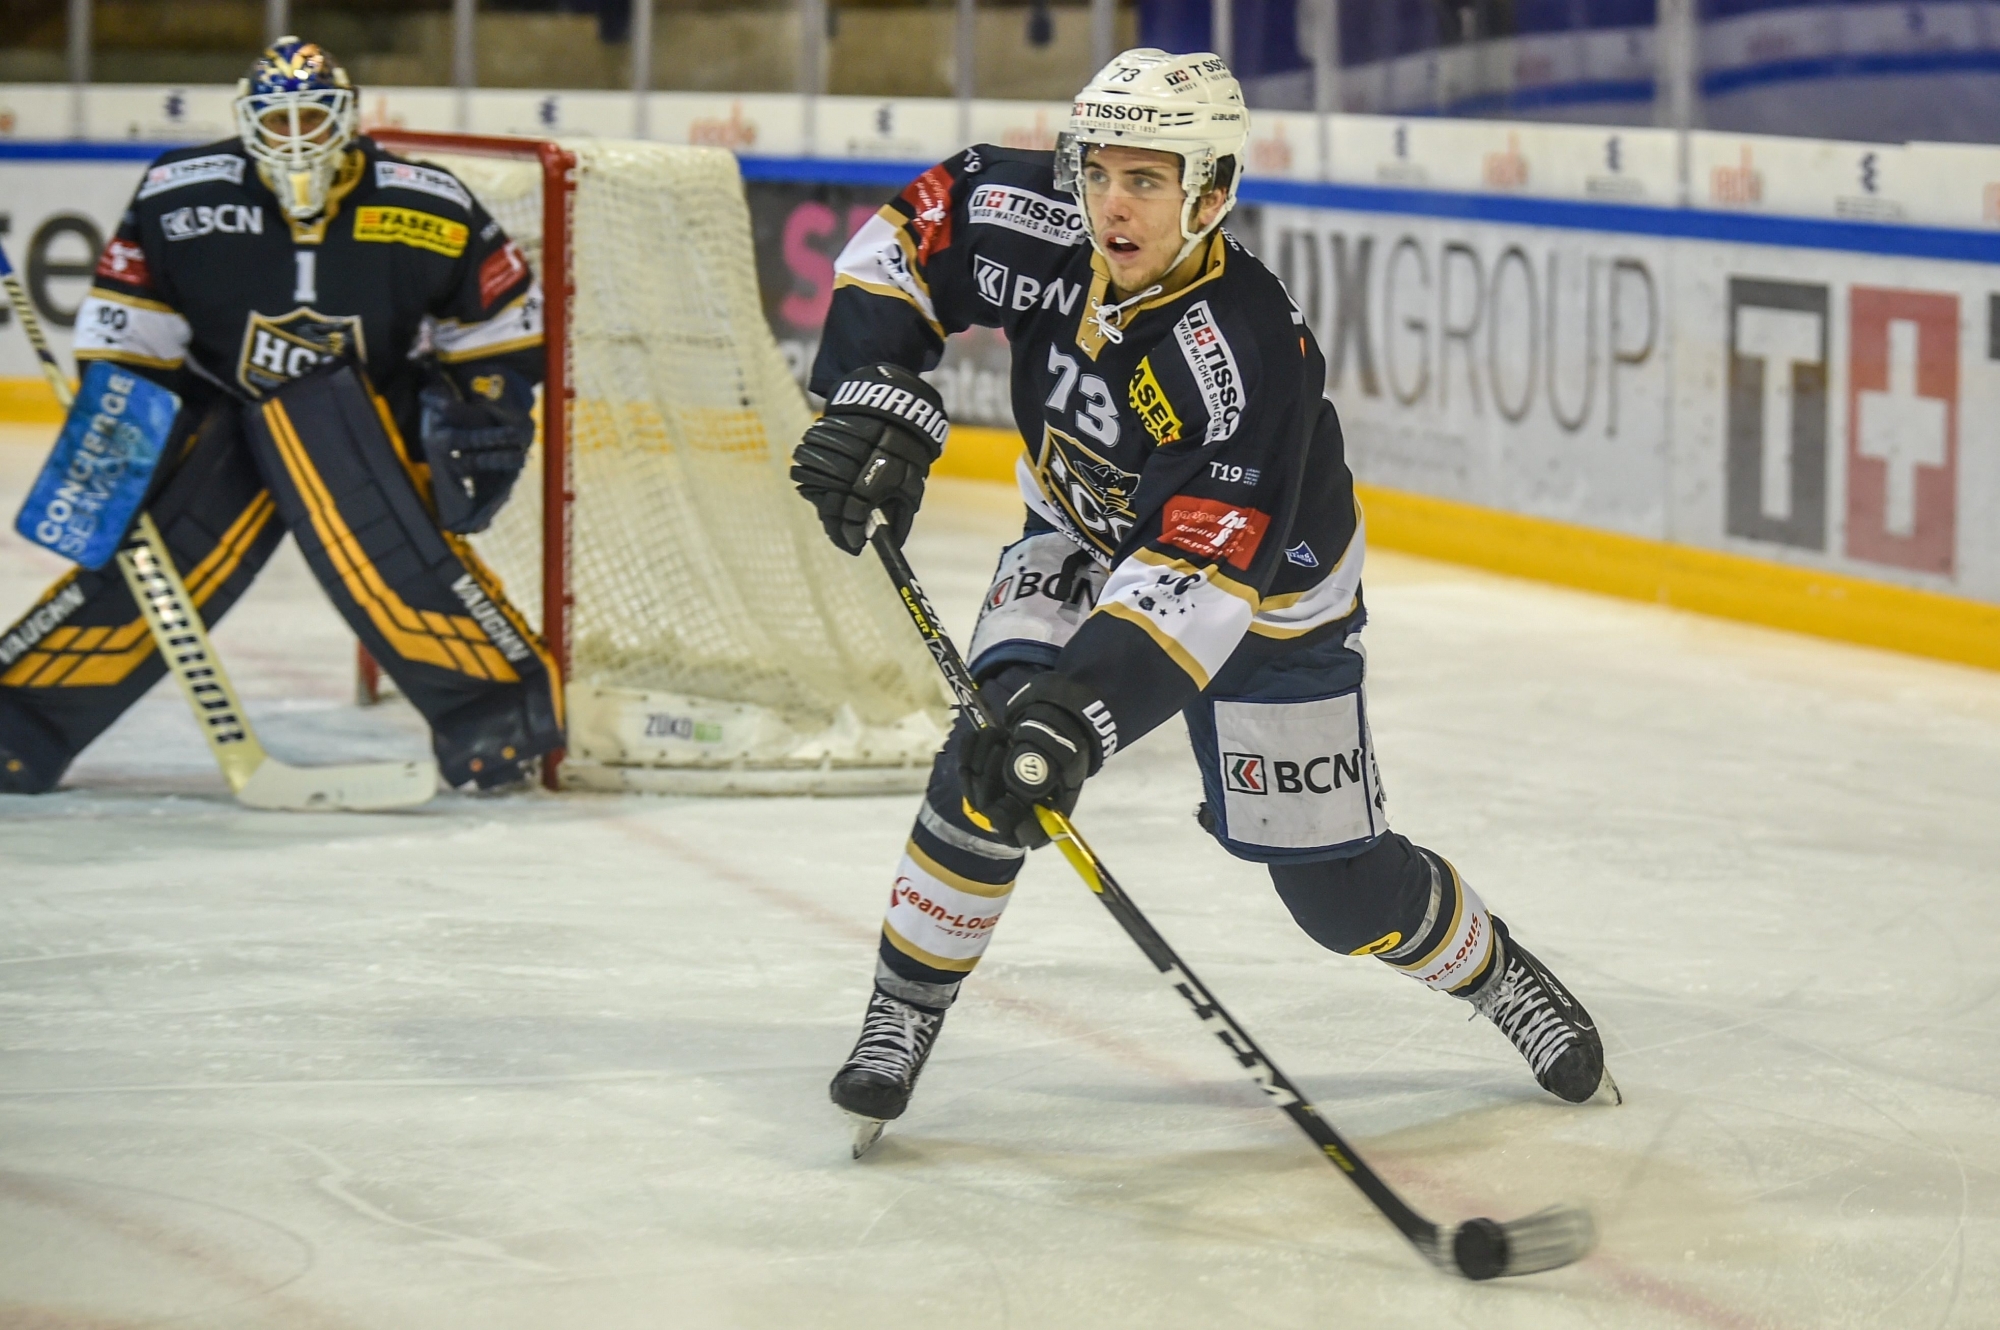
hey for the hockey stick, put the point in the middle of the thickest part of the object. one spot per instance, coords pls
(257, 779)
(1476, 1249)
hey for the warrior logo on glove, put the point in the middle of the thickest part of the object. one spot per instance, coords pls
(872, 449)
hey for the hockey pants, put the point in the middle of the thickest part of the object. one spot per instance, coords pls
(1370, 893)
(322, 460)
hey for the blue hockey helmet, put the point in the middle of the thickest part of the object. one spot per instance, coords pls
(296, 113)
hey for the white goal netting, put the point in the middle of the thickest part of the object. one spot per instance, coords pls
(717, 642)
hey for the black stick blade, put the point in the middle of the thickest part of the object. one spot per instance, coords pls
(1484, 1249)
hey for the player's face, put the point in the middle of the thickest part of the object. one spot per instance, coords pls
(1135, 199)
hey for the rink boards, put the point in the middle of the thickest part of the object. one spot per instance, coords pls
(1803, 392)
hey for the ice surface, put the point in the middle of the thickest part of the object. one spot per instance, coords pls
(561, 1061)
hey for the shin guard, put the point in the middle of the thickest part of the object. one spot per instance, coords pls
(418, 598)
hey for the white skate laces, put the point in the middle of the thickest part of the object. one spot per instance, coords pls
(1526, 1013)
(895, 1039)
(1110, 319)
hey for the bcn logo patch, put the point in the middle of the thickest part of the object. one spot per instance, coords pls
(1251, 773)
(1156, 413)
(407, 226)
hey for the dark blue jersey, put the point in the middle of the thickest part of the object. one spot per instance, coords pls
(1183, 441)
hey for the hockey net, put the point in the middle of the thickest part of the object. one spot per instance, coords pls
(712, 640)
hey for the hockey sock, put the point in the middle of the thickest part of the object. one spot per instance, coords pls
(951, 886)
(1452, 950)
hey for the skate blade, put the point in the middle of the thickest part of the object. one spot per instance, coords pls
(867, 1131)
(1607, 1086)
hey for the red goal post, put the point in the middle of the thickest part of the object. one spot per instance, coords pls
(558, 167)
(711, 641)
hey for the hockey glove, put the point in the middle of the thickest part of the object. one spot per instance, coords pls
(476, 449)
(872, 449)
(1048, 742)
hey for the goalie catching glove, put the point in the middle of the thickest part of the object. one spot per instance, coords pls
(1053, 736)
(872, 449)
(476, 447)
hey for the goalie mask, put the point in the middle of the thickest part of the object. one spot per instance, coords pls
(296, 114)
(1189, 105)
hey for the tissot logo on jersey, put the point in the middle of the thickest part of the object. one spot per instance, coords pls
(236, 219)
(1028, 213)
(1213, 529)
(1214, 367)
(423, 179)
(1156, 413)
(407, 226)
(193, 171)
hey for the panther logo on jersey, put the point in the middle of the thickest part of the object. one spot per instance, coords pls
(278, 349)
(1092, 493)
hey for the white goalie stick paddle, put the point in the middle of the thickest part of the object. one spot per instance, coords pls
(1476, 1249)
(256, 778)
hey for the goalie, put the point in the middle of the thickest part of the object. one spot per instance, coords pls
(356, 344)
(1192, 544)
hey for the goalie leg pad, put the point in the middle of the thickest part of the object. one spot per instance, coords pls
(83, 654)
(951, 886)
(419, 600)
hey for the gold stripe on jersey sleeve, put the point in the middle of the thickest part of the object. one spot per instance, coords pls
(1174, 650)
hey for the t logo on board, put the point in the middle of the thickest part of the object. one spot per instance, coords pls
(1902, 428)
(1776, 431)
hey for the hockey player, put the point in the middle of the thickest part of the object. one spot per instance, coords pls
(1192, 544)
(356, 344)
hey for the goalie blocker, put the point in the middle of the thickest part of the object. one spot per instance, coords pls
(323, 460)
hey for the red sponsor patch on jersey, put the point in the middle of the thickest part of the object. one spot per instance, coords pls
(929, 197)
(1213, 529)
(123, 261)
(503, 267)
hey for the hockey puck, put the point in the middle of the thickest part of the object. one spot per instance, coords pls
(1480, 1248)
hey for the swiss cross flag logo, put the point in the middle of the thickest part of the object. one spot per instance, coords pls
(1902, 428)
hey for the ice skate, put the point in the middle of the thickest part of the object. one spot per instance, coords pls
(1546, 1024)
(875, 1082)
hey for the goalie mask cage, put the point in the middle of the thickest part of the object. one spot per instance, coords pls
(712, 641)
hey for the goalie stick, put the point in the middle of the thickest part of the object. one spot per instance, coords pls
(257, 779)
(1476, 1249)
